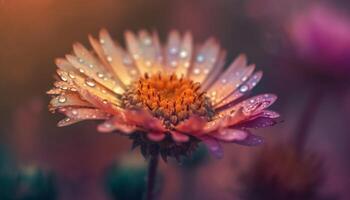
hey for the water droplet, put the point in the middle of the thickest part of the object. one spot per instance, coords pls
(102, 41)
(67, 119)
(133, 72)
(243, 88)
(127, 60)
(71, 75)
(147, 41)
(244, 78)
(148, 63)
(91, 65)
(183, 54)
(187, 64)
(100, 74)
(62, 99)
(80, 60)
(200, 58)
(74, 112)
(64, 78)
(196, 71)
(90, 82)
(173, 50)
(109, 58)
(173, 63)
(223, 81)
(104, 101)
(136, 56)
(81, 70)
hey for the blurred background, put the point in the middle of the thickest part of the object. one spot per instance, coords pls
(303, 47)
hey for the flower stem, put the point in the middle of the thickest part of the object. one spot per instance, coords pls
(308, 116)
(151, 177)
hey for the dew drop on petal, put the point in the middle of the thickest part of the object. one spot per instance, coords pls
(173, 50)
(90, 83)
(62, 99)
(243, 88)
(74, 112)
(100, 74)
(80, 60)
(183, 54)
(109, 59)
(102, 41)
(81, 70)
(104, 101)
(200, 58)
(64, 78)
(91, 65)
(196, 71)
(71, 75)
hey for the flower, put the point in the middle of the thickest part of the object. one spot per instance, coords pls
(320, 36)
(166, 98)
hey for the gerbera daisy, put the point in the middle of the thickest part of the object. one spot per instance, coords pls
(167, 98)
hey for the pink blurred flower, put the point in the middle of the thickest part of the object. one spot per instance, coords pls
(166, 98)
(321, 38)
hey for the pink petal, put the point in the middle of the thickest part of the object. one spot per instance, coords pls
(213, 146)
(116, 123)
(179, 137)
(242, 89)
(193, 126)
(260, 122)
(144, 119)
(230, 135)
(251, 140)
(155, 136)
(205, 59)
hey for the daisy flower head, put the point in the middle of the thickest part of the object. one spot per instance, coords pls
(166, 98)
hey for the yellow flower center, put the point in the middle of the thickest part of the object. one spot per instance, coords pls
(169, 98)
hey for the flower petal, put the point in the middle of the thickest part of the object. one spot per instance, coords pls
(193, 126)
(249, 107)
(114, 56)
(230, 135)
(144, 119)
(237, 73)
(213, 146)
(260, 122)
(68, 100)
(243, 89)
(156, 136)
(217, 70)
(84, 113)
(251, 140)
(179, 137)
(178, 53)
(146, 51)
(116, 124)
(205, 58)
(96, 73)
